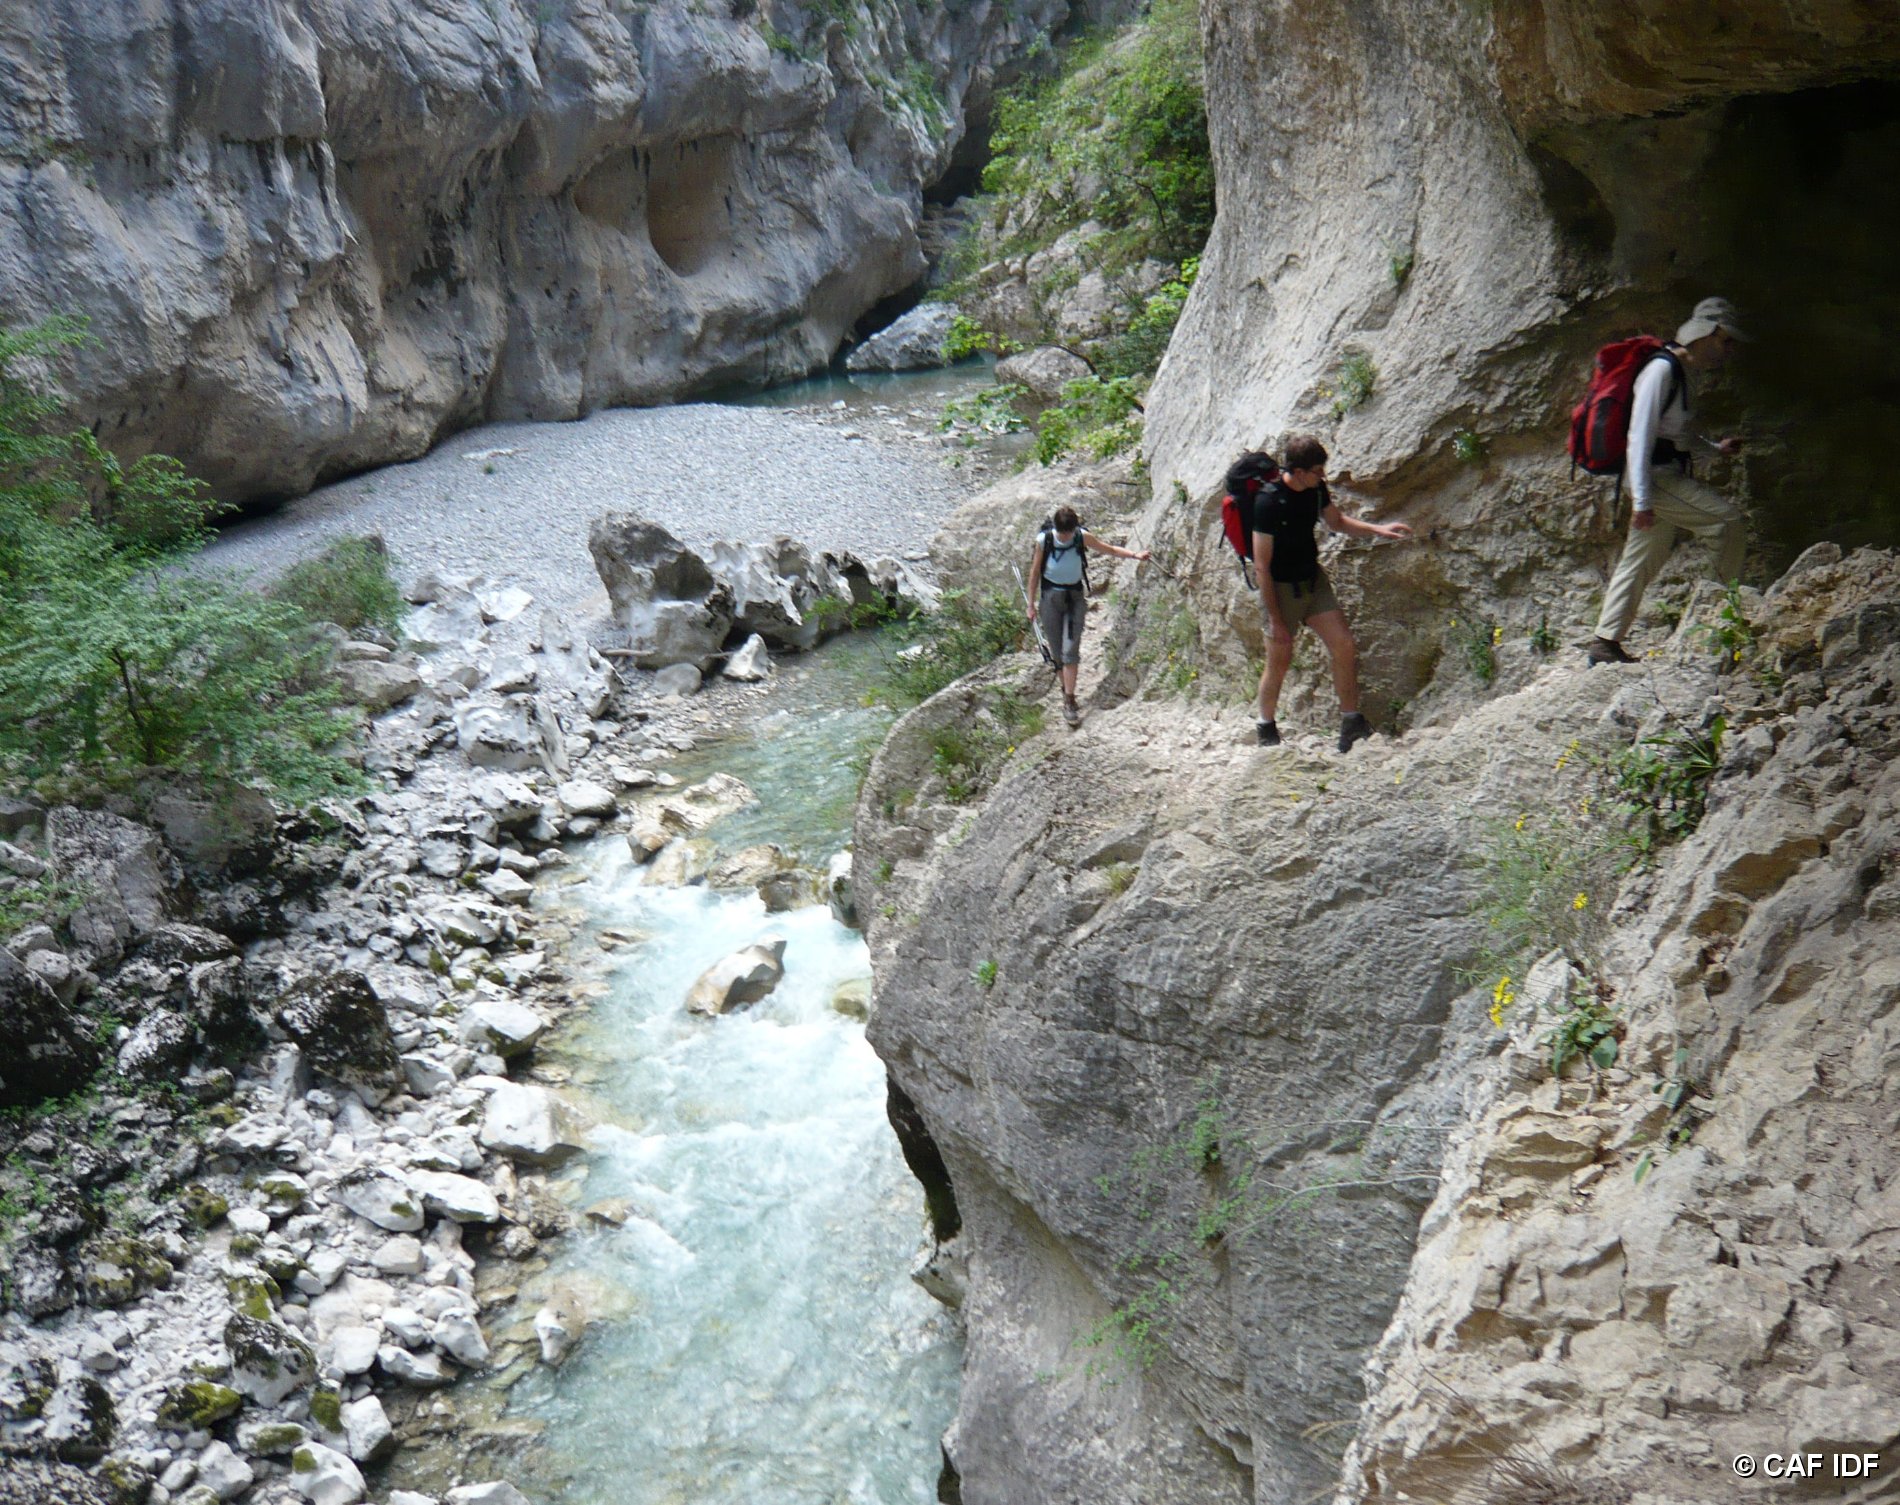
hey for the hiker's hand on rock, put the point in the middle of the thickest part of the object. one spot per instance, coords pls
(1731, 445)
(1394, 530)
(1145, 555)
(1642, 517)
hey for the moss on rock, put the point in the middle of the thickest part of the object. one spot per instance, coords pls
(202, 1205)
(326, 1409)
(196, 1404)
(115, 1269)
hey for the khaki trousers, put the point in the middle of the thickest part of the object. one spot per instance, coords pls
(1681, 504)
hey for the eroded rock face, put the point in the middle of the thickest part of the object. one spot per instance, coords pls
(1679, 1314)
(339, 230)
(1231, 984)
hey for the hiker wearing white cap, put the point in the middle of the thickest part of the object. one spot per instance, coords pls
(1665, 497)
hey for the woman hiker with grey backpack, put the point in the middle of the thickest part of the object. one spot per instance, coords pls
(1058, 574)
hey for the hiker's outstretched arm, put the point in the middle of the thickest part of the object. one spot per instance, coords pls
(1035, 579)
(1355, 527)
(1108, 548)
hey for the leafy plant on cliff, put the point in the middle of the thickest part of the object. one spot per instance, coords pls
(1354, 385)
(1118, 138)
(1667, 779)
(1205, 1188)
(1587, 1030)
(965, 632)
(1097, 416)
(111, 657)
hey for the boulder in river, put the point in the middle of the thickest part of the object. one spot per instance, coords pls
(911, 342)
(743, 978)
(749, 662)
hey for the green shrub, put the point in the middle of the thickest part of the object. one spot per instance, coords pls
(349, 584)
(1097, 416)
(964, 633)
(1357, 378)
(993, 410)
(1137, 351)
(967, 338)
(1130, 120)
(112, 659)
(1470, 447)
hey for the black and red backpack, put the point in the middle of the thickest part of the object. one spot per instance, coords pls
(1245, 479)
(1600, 424)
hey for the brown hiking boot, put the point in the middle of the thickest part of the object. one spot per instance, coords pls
(1603, 651)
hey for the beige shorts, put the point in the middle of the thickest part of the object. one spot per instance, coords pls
(1299, 601)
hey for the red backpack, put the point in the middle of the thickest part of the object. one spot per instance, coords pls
(1600, 424)
(1245, 478)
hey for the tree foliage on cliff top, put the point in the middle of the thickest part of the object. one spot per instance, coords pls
(1117, 142)
(1118, 137)
(112, 660)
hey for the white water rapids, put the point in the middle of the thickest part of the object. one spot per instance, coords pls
(769, 1347)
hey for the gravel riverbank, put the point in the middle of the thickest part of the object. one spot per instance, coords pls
(514, 501)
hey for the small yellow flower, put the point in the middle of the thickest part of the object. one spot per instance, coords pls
(1738, 655)
(1584, 806)
(1518, 824)
(1399, 777)
(1454, 621)
(1582, 901)
(1502, 997)
(1497, 636)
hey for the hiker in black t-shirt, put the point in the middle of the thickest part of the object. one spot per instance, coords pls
(1294, 590)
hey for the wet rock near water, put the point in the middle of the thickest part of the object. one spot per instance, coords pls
(677, 606)
(912, 342)
(742, 979)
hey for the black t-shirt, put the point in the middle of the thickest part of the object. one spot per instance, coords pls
(1289, 518)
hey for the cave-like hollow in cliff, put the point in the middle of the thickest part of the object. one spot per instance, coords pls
(1787, 204)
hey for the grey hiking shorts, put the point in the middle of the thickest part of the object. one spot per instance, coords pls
(1062, 609)
(1300, 600)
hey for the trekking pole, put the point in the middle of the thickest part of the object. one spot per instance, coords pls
(1035, 622)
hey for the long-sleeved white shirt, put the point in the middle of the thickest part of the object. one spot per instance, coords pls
(1650, 420)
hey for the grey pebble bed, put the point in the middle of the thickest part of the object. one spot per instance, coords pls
(513, 501)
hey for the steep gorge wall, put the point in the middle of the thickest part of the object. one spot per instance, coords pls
(313, 237)
(1474, 198)
(1149, 934)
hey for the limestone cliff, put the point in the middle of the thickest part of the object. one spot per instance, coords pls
(313, 237)
(1191, 1025)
